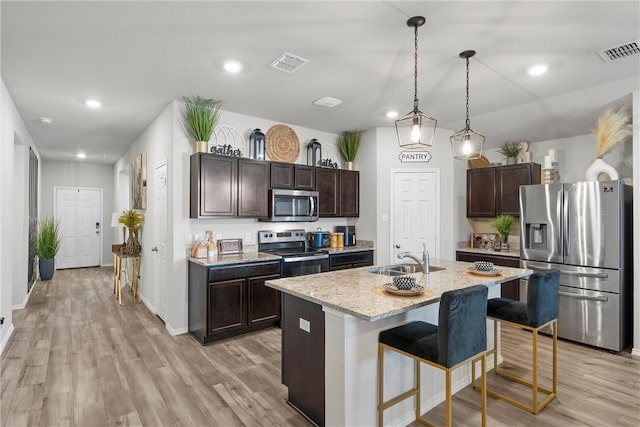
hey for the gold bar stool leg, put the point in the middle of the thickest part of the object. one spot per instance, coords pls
(417, 383)
(380, 385)
(483, 364)
(534, 401)
(447, 405)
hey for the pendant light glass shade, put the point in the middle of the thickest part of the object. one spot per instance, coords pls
(467, 144)
(415, 129)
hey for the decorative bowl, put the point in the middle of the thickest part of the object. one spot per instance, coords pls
(404, 283)
(483, 265)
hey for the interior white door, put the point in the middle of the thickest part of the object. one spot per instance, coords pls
(79, 212)
(160, 239)
(415, 210)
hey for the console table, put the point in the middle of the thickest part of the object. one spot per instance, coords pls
(117, 275)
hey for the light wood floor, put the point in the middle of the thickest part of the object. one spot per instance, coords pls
(77, 358)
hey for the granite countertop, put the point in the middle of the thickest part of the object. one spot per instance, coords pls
(362, 245)
(490, 252)
(247, 257)
(360, 293)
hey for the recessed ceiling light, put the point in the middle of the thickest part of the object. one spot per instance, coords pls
(93, 103)
(81, 155)
(538, 69)
(232, 66)
(392, 114)
(45, 120)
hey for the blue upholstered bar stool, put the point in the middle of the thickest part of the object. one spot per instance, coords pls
(540, 310)
(459, 338)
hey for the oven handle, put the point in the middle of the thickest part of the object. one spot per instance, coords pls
(578, 296)
(305, 258)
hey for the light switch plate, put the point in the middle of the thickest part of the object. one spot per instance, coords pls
(305, 325)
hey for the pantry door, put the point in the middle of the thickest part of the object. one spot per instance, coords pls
(79, 215)
(415, 212)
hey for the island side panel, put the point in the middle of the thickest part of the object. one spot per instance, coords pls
(303, 356)
(198, 286)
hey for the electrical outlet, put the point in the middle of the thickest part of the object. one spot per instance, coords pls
(305, 325)
(247, 237)
(385, 218)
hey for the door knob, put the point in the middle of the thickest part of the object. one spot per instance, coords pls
(397, 246)
(154, 249)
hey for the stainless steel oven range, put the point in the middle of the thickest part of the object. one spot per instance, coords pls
(297, 259)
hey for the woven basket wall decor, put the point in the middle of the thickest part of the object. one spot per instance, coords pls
(282, 144)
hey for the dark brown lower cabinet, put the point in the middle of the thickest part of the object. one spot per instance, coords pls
(510, 289)
(230, 300)
(344, 261)
(303, 356)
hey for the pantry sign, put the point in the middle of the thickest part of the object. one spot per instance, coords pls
(414, 156)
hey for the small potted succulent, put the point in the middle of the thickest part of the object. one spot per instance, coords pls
(510, 151)
(503, 224)
(48, 243)
(348, 143)
(200, 117)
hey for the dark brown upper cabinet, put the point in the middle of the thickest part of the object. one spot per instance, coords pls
(253, 188)
(339, 192)
(510, 178)
(481, 193)
(349, 193)
(228, 186)
(213, 185)
(496, 191)
(293, 177)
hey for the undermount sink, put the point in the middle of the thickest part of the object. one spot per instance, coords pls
(401, 269)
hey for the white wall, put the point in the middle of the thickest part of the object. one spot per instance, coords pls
(57, 173)
(375, 179)
(366, 162)
(157, 142)
(575, 155)
(21, 225)
(12, 129)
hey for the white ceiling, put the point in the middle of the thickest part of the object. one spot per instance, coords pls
(138, 56)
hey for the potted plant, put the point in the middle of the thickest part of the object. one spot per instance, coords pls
(200, 117)
(349, 142)
(510, 150)
(47, 246)
(133, 221)
(503, 224)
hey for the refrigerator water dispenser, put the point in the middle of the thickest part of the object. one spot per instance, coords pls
(536, 236)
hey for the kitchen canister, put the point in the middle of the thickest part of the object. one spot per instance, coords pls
(333, 240)
(340, 240)
(256, 145)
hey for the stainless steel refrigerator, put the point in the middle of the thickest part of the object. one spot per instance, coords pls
(585, 231)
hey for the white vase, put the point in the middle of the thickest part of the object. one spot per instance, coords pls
(600, 167)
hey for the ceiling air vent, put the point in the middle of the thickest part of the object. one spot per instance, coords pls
(288, 62)
(620, 51)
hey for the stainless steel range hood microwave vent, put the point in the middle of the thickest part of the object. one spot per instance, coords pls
(292, 206)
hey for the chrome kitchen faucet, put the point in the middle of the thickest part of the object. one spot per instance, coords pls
(424, 263)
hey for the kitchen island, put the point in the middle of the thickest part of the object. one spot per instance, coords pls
(330, 327)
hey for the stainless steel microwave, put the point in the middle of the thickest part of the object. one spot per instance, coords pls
(292, 206)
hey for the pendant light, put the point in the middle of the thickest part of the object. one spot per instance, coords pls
(415, 129)
(467, 144)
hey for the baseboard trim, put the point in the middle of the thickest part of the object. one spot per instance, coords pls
(6, 338)
(174, 332)
(635, 351)
(26, 298)
(147, 303)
